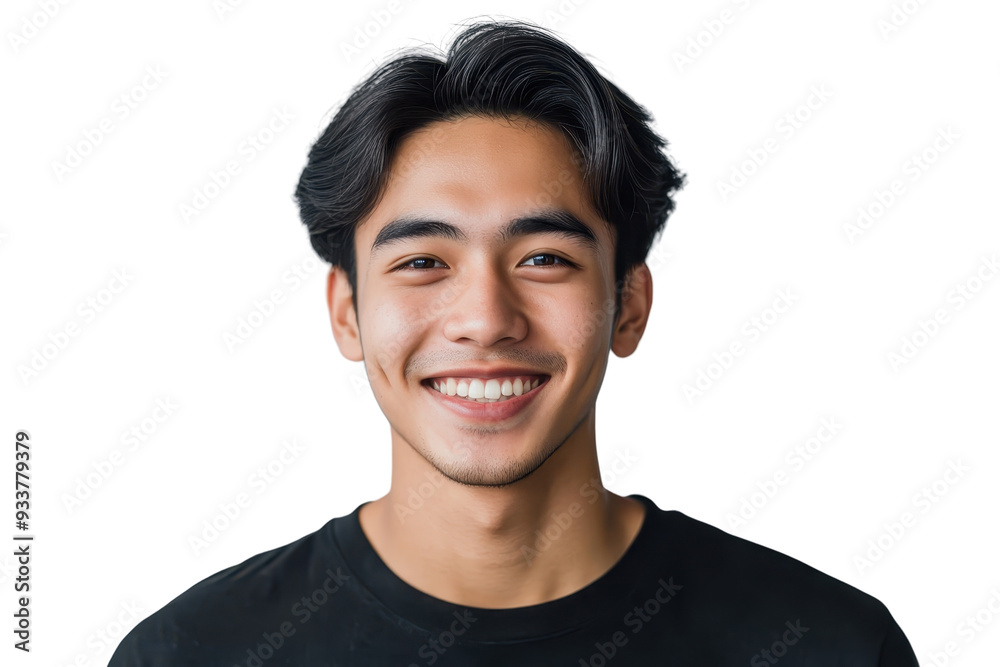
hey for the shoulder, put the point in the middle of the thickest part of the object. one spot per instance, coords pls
(745, 584)
(251, 597)
(749, 565)
(721, 561)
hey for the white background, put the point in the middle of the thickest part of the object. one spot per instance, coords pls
(722, 260)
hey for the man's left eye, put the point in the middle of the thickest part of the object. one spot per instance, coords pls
(566, 262)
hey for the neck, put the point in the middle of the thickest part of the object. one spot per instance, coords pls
(541, 538)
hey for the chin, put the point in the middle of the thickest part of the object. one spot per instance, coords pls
(487, 470)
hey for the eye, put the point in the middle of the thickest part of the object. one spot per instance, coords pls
(563, 261)
(421, 266)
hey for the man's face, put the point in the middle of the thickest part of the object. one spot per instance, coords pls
(433, 307)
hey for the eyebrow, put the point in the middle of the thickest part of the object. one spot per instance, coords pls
(550, 221)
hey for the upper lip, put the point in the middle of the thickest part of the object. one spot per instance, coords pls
(492, 372)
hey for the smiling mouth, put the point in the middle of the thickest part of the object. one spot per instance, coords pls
(486, 390)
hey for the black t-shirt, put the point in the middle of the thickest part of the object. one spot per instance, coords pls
(684, 593)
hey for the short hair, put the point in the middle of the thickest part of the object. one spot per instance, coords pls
(496, 69)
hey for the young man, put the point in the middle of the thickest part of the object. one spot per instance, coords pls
(487, 218)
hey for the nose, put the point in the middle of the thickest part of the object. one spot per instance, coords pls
(486, 310)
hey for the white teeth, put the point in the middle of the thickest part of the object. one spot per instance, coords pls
(492, 389)
(476, 388)
(489, 390)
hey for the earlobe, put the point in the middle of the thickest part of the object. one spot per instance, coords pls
(637, 301)
(343, 318)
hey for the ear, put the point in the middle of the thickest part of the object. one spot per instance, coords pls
(637, 300)
(343, 318)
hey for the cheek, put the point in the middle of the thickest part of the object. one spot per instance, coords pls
(587, 325)
(585, 321)
(392, 329)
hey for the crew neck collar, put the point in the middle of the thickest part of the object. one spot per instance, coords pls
(496, 625)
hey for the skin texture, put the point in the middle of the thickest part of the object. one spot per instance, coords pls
(473, 541)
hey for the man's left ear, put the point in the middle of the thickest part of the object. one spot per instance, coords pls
(637, 300)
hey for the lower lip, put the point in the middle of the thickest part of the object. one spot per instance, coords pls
(497, 411)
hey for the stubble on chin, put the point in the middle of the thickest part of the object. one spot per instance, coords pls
(470, 470)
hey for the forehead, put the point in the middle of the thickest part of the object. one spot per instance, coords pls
(467, 141)
(480, 174)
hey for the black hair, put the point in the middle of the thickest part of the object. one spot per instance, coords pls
(503, 69)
